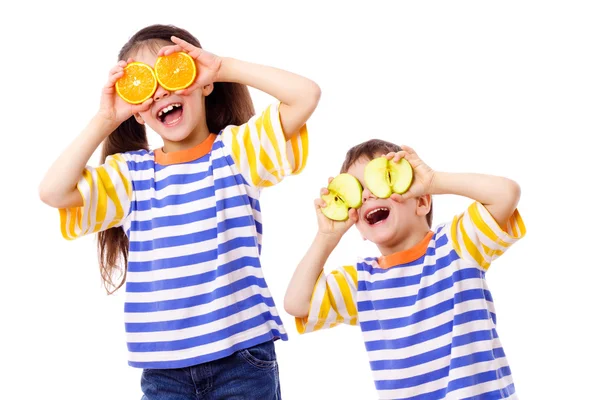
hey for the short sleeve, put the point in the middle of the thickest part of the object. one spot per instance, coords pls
(333, 301)
(106, 191)
(261, 151)
(477, 237)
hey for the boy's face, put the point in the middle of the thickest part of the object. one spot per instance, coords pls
(386, 222)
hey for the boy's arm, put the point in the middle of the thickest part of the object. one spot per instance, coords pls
(330, 297)
(301, 286)
(490, 226)
(498, 195)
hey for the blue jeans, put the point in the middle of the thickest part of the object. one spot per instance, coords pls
(250, 374)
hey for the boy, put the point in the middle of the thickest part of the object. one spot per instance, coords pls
(423, 306)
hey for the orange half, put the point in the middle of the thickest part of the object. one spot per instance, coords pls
(175, 71)
(137, 84)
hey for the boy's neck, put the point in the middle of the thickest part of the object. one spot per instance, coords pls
(407, 243)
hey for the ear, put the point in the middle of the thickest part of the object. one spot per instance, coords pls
(206, 90)
(423, 205)
(139, 118)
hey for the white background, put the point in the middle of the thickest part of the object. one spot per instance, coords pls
(509, 88)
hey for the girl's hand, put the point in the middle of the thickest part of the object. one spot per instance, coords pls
(330, 228)
(207, 64)
(423, 178)
(112, 107)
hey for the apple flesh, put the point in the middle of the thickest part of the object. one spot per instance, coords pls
(384, 177)
(345, 192)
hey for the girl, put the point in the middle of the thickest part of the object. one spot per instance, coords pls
(184, 221)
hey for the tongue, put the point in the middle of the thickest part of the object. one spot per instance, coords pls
(172, 116)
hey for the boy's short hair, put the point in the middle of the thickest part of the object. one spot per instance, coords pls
(371, 149)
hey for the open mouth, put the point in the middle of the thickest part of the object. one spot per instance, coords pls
(377, 215)
(170, 114)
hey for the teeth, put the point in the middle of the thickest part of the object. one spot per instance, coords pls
(375, 210)
(168, 108)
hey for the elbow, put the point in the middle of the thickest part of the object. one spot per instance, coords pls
(46, 195)
(294, 308)
(314, 94)
(513, 192)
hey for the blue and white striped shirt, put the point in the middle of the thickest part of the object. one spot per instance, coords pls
(426, 314)
(195, 291)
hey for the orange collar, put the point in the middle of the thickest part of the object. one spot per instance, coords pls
(184, 156)
(406, 256)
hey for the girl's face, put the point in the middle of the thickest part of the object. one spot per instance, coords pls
(178, 119)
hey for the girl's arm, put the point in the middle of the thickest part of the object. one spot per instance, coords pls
(59, 187)
(299, 95)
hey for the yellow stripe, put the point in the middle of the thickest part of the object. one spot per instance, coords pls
(265, 123)
(108, 185)
(323, 311)
(471, 247)
(87, 175)
(454, 236)
(520, 224)
(481, 225)
(101, 204)
(351, 270)
(346, 293)
(300, 164)
(492, 253)
(113, 163)
(265, 160)
(251, 156)
(63, 223)
(235, 146)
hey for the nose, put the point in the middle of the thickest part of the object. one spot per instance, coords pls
(161, 93)
(366, 195)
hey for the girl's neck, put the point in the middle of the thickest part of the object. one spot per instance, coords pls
(196, 137)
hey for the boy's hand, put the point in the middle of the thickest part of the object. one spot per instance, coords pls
(329, 228)
(423, 177)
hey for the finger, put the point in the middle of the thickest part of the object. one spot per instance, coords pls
(329, 179)
(145, 106)
(130, 60)
(188, 90)
(183, 44)
(122, 63)
(324, 191)
(398, 156)
(167, 50)
(352, 216)
(397, 198)
(320, 203)
(408, 149)
(390, 155)
(112, 79)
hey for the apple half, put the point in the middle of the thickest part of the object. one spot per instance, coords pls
(345, 192)
(384, 177)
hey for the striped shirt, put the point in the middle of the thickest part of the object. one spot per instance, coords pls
(195, 291)
(426, 314)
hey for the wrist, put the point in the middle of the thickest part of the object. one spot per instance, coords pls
(328, 240)
(102, 125)
(226, 70)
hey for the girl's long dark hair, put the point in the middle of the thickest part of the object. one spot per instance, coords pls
(228, 104)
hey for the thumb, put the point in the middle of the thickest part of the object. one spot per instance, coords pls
(352, 218)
